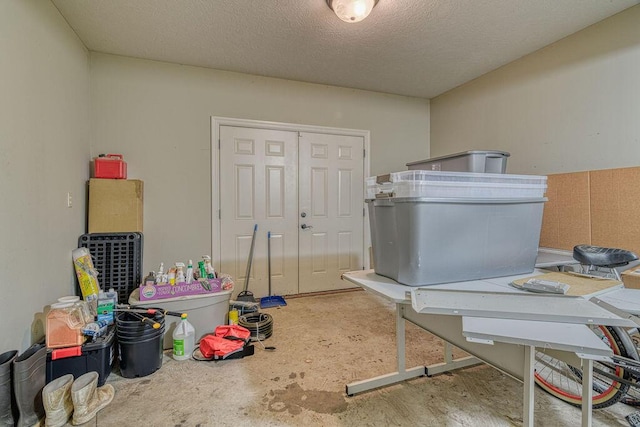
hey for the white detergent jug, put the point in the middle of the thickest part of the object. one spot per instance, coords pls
(184, 339)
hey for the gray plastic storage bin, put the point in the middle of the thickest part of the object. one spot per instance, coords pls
(427, 241)
(424, 183)
(468, 161)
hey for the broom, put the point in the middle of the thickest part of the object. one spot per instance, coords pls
(271, 300)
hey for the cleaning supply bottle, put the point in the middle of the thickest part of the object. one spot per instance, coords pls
(160, 275)
(202, 272)
(180, 278)
(172, 276)
(189, 277)
(184, 339)
(210, 271)
(107, 302)
(150, 279)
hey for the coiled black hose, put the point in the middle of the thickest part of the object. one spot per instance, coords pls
(259, 324)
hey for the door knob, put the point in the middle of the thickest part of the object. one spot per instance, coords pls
(305, 226)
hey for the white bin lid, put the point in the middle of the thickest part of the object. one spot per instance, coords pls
(134, 298)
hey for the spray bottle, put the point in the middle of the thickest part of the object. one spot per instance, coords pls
(189, 277)
(160, 276)
(202, 270)
(183, 339)
(180, 272)
(211, 272)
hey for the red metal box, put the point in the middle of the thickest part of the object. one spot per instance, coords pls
(110, 166)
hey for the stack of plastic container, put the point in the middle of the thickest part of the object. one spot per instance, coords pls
(489, 161)
(430, 227)
(67, 351)
(139, 343)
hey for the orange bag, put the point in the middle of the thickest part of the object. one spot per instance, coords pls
(233, 332)
(226, 341)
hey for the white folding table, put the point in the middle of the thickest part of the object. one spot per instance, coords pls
(511, 342)
(549, 257)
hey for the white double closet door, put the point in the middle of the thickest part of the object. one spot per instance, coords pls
(307, 190)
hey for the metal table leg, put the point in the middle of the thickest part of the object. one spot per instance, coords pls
(529, 393)
(587, 392)
(450, 363)
(401, 374)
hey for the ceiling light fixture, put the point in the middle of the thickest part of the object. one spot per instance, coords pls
(352, 10)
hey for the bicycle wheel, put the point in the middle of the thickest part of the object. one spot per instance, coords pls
(565, 381)
(632, 397)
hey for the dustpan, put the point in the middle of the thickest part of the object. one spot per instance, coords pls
(245, 295)
(271, 300)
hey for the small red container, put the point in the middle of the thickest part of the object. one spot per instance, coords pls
(110, 166)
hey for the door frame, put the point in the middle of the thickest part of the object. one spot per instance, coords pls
(217, 121)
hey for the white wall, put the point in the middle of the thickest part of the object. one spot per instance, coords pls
(158, 116)
(572, 106)
(44, 134)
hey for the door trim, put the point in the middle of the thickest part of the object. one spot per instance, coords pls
(217, 121)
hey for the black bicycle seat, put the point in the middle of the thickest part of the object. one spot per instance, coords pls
(602, 257)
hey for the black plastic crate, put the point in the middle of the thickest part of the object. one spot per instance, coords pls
(118, 259)
(98, 356)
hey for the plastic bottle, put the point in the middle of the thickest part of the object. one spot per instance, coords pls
(82, 305)
(210, 271)
(95, 329)
(113, 294)
(202, 271)
(64, 324)
(161, 277)
(150, 279)
(183, 339)
(233, 316)
(189, 277)
(107, 302)
(172, 276)
(180, 278)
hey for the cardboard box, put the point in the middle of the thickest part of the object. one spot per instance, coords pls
(566, 221)
(115, 205)
(594, 207)
(631, 277)
(614, 208)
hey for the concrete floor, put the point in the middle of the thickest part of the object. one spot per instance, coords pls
(322, 343)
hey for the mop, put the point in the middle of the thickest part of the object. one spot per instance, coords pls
(270, 301)
(245, 295)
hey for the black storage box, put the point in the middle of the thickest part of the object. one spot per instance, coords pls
(118, 259)
(97, 355)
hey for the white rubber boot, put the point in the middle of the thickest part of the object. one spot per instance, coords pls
(87, 398)
(56, 397)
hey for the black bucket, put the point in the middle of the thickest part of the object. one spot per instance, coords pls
(140, 344)
(137, 328)
(127, 319)
(135, 336)
(130, 324)
(140, 357)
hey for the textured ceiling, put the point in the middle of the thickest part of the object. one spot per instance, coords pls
(417, 48)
